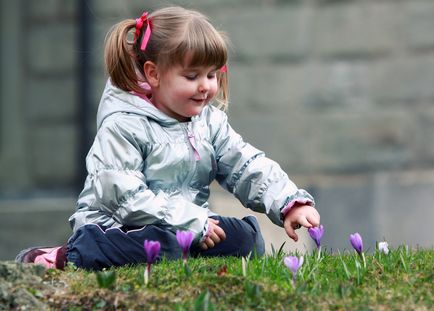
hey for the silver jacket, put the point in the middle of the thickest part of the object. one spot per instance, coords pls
(145, 167)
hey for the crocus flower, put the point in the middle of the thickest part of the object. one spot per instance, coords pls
(152, 249)
(356, 242)
(293, 263)
(184, 240)
(383, 247)
(316, 234)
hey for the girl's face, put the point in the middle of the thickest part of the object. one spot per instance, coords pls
(182, 92)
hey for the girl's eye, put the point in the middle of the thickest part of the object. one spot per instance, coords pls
(193, 76)
(190, 77)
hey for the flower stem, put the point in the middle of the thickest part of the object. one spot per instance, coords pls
(147, 273)
(244, 266)
(364, 260)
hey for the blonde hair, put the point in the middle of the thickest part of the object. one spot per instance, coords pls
(175, 31)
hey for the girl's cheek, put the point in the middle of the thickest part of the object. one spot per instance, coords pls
(215, 88)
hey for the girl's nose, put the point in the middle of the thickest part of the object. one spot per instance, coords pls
(203, 86)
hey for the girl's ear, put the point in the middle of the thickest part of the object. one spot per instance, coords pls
(152, 74)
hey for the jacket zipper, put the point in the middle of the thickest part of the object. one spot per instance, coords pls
(191, 172)
(192, 141)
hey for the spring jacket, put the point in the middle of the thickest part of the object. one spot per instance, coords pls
(145, 167)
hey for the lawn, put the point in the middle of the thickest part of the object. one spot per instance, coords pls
(400, 280)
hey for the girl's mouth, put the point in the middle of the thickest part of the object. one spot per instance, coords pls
(199, 100)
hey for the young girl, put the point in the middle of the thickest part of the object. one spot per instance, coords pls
(160, 143)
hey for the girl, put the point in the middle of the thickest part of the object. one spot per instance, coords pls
(160, 143)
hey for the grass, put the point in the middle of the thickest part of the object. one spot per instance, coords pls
(401, 280)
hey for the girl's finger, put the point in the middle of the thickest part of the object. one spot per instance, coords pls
(203, 246)
(214, 221)
(209, 242)
(290, 231)
(220, 232)
(302, 220)
(215, 238)
(211, 228)
(313, 219)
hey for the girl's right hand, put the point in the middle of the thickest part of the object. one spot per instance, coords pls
(215, 235)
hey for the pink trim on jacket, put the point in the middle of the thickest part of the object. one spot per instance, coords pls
(304, 201)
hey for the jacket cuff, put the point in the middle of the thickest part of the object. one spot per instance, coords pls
(205, 232)
(300, 197)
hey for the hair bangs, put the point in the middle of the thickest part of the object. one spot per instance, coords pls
(206, 48)
(201, 45)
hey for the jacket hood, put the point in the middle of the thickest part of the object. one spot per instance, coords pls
(114, 100)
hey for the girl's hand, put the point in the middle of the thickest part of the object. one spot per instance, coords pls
(215, 235)
(300, 215)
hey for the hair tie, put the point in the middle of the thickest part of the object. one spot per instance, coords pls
(224, 69)
(139, 25)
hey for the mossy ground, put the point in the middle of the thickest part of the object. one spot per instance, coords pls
(401, 280)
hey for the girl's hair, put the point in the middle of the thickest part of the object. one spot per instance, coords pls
(175, 31)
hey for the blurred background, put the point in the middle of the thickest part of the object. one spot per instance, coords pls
(340, 93)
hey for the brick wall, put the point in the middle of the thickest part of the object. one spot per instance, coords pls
(340, 93)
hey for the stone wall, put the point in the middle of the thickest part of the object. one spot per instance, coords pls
(340, 93)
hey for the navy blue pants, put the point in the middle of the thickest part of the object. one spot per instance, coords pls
(93, 248)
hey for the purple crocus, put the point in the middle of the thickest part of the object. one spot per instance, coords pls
(293, 263)
(184, 240)
(152, 249)
(316, 234)
(357, 243)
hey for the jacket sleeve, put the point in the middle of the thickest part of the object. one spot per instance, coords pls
(257, 181)
(117, 185)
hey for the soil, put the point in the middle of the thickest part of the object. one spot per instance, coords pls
(21, 285)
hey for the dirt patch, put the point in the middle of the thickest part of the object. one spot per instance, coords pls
(21, 285)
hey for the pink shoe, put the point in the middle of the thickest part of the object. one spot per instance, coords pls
(49, 257)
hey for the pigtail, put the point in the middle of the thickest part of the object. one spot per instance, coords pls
(120, 58)
(222, 97)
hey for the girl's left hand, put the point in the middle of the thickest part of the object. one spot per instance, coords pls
(300, 215)
(215, 235)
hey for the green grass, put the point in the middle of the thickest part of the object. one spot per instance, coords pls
(403, 279)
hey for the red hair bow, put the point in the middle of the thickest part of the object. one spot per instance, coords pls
(139, 25)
